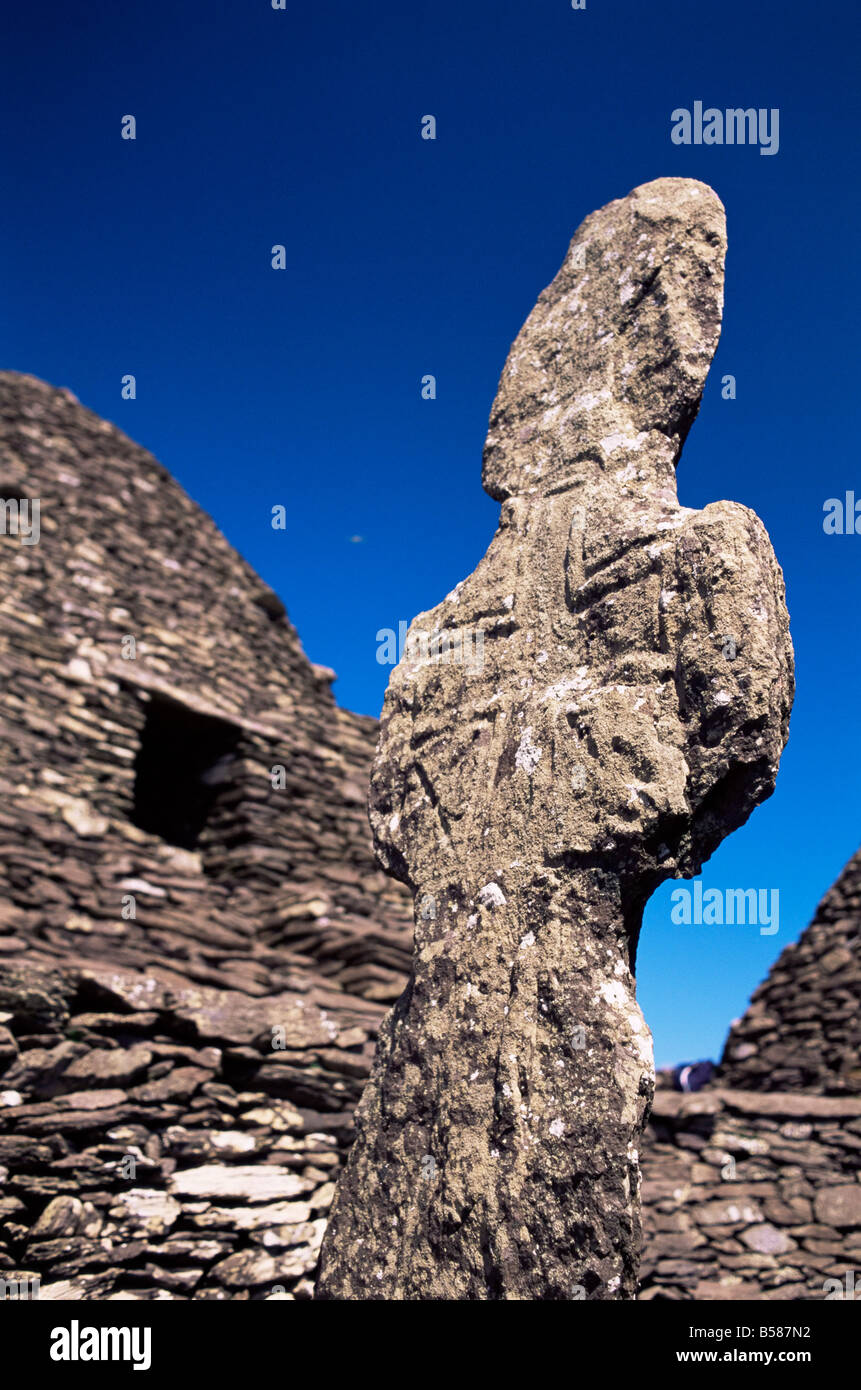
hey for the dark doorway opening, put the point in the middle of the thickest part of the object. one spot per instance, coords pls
(179, 770)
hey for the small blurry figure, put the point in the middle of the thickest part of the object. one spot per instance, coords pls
(692, 1076)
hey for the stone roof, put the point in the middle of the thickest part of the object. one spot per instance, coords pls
(802, 1031)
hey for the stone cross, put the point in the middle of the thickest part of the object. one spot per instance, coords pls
(629, 710)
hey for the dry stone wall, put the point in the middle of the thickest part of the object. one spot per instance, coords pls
(154, 1145)
(752, 1196)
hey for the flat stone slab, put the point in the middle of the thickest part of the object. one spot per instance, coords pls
(257, 1183)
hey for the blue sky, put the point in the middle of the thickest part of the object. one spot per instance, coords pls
(405, 257)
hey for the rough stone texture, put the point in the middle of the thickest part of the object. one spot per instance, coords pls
(532, 803)
(751, 1196)
(276, 884)
(215, 1151)
(134, 1051)
(802, 1030)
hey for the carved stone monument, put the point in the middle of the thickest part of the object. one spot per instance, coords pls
(629, 710)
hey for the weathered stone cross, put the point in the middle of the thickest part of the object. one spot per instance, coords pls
(630, 711)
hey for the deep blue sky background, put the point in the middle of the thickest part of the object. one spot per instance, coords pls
(405, 257)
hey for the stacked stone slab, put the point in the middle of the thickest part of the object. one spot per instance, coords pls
(154, 1145)
(802, 1030)
(279, 877)
(748, 1195)
(194, 954)
(752, 1187)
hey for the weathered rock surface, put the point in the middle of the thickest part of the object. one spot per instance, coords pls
(629, 711)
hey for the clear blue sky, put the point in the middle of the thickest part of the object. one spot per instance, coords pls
(407, 257)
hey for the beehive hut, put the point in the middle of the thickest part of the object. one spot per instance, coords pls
(196, 943)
